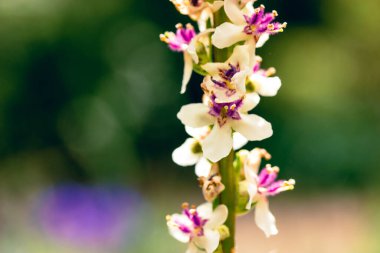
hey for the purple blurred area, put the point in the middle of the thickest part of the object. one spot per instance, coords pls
(98, 216)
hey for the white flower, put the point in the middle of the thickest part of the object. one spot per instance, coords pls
(262, 82)
(199, 10)
(184, 41)
(227, 80)
(225, 117)
(198, 227)
(250, 25)
(190, 152)
(260, 186)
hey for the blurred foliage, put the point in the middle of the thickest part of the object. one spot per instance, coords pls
(91, 83)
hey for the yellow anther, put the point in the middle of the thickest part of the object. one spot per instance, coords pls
(270, 72)
(271, 169)
(163, 38)
(189, 26)
(258, 58)
(179, 26)
(185, 205)
(274, 12)
(168, 217)
(233, 107)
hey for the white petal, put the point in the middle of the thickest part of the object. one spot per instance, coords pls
(191, 50)
(228, 34)
(266, 86)
(187, 70)
(264, 218)
(251, 43)
(192, 248)
(248, 6)
(239, 81)
(175, 231)
(222, 97)
(203, 168)
(209, 242)
(198, 133)
(241, 55)
(218, 143)
(184, 155)
(217, 5)
(195, 115)
(213, 67)
(252, 191)
(205, 210)
(263, 38)
(238, 140)
(251, 176)
(250, 101)
(220, 92)
(233, 12)
(219, 216)
(202, 20)
(252, 127)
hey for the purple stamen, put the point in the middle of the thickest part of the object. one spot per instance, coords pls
(197, 223)
(274, 187)
(261, 22)
(181, 39)
(225, 110)
(226, 76)
(267, 176)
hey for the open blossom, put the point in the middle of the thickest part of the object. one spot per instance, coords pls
(261, 80)
(250, 25)
(260, 186)
(198, 227)
(198, 10)
(227, 80)
(183, 41)
(190, 152)
(225, 117)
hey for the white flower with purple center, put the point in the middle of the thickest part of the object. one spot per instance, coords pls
(261, 80)
(190, 152)
(251, 25)
(198, 227)
(184, 41)
(225, 117)
(260, 186)
(227, 80)
(198, 10)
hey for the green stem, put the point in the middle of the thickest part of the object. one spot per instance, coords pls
(220, 55)
(228, 198)
(227, 172)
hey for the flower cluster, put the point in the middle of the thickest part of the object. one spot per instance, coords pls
(221, 123)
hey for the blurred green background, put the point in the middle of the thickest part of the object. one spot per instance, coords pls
(89, 97)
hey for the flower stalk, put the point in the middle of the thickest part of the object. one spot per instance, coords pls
(232, 181)
(228, 198)
(220, 55)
